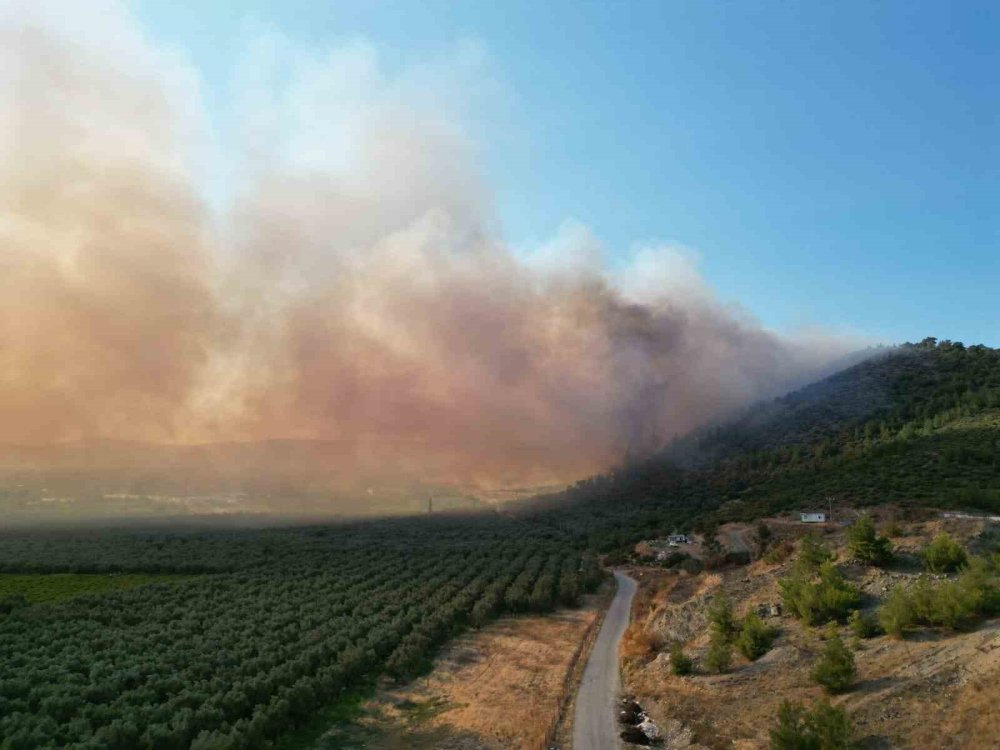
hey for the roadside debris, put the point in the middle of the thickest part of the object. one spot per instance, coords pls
(639, 728)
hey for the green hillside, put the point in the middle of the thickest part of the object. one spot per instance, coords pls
(918, 424)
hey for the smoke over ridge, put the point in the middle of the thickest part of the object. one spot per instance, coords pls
(353, 289)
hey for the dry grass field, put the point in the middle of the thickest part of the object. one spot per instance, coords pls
(499, 688)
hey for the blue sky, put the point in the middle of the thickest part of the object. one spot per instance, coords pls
(833, 164)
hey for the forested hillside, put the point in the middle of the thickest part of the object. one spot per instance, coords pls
(918, 424)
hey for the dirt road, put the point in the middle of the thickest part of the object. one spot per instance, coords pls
(594, 725)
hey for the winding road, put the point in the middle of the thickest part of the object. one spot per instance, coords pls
(594, 725)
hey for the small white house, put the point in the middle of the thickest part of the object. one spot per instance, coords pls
(812, 517)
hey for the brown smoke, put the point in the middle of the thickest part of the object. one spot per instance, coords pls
(356, 291)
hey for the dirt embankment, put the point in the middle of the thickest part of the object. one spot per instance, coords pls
(499, 688)
(935, 689)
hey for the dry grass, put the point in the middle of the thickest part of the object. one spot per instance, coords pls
(496, 689)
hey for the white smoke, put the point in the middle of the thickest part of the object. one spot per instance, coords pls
(354, 288)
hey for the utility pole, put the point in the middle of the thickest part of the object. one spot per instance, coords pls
(829, 499)
(430, 504)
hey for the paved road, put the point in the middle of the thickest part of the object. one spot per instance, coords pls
(594, 725)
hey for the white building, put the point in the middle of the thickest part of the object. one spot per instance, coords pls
(812, 517)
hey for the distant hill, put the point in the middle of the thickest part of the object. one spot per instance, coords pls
(918, 424)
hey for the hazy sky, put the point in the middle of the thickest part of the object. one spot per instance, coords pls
(832, 164)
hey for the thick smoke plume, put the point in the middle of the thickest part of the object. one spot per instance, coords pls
(340, 278)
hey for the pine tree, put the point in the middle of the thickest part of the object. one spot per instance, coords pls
(826, 727)
(720, 615)
(835, 670)
(720, 651)
(866, 545)
(755, 637)
(680, 663)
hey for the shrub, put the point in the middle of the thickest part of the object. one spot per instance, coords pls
(952, 607)
(826, 727)
(680, 663)
(763, 531)
(831, 597)
(793, 731)
(762, 537)
(641, 642)
(892, 530)
(755, 637)
(866, 545)
(692, 566)
(864, 624)
(835, 670)
(813, 553)
(922, 594)
(897, 614)
(954, 604)
(980, 583)
(674, 559)
(720, 616)
(737, 557)
(778, 553)
(617, 557)
(944, 555)
(831, 727)
(720, 651)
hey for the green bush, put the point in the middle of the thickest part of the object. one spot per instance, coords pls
(720, 615)
(674, 559)
(892, 530)
(778, 553)
(720, 651)
(957, 604)
(793, 731)
(755, 638)
(835, 670)
(897, 614)
(762, 537)
(866, 545)
(691, 566)
(944, 555)
(980, 583)
(831, 727)
(864, 624)
(953, 608)
(680, 663)
(813, 553)
(819, 599)
(826, 727)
